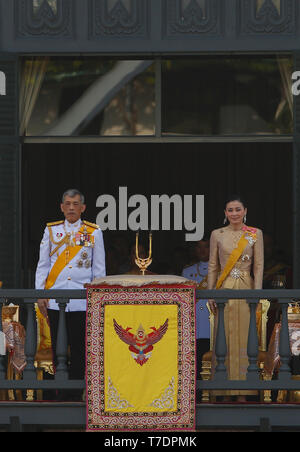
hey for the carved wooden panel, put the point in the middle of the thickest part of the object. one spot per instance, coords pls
(118, 18)
(267, 17)
(219, 24)
(44, 18)
(193, 18)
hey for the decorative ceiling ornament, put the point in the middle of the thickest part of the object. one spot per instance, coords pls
(113, 18)
(193, 12)
(195, 17)
(268, 11)
(267, 16)
(125, 3)
(49, 18)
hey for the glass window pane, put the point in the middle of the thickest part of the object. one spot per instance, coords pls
(87, 96)
(227, 95)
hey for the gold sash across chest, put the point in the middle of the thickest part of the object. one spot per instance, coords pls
(66, 256)
(236, 253)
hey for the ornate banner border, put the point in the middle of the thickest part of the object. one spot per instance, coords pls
(98, 297)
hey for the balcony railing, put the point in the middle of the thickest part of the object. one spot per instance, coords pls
(253, 381)
(27, 298)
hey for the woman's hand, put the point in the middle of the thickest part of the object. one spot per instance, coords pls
(213, 306)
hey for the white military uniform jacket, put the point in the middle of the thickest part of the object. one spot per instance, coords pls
(197, 272)
(88, 263)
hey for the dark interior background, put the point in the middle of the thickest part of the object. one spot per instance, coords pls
(260, 172)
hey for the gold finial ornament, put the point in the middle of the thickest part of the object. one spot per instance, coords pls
(143, 264)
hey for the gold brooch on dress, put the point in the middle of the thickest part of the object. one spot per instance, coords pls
(235, 273)
(245, 257)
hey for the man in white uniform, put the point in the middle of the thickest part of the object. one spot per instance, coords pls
(71, 255)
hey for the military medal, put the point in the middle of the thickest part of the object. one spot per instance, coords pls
(84, 239)
(84, 261)
(87, 263)
(84, 255)
(90, 240)
(77, 239)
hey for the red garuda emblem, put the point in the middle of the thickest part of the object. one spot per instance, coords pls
(141, 344)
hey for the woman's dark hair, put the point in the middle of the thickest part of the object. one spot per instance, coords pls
(235, 198)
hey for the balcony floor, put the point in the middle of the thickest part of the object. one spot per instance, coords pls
(217, 417)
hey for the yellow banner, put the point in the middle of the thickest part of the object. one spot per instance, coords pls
(141, 358)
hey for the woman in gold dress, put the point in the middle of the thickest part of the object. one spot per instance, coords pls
(236, 252)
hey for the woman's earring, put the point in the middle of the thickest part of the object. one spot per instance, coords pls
(245, 219)
(225, 220)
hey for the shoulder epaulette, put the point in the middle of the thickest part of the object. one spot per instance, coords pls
(55, 223)
(92, 225)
